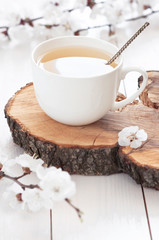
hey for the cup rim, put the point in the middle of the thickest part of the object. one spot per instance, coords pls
(74, 37)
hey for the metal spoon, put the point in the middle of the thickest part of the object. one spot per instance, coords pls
(127, 43)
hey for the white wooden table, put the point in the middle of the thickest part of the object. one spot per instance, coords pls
(114, 207)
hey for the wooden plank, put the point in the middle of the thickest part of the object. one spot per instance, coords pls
(152, 201)
(113, 209)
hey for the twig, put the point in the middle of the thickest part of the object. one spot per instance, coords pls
(78, 211)
(4, 27)
(36, 19)
(14, 179)
(51, 229)
(24, 174)
(93, 27)
(142, 16)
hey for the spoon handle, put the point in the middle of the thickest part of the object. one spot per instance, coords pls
(127, 43)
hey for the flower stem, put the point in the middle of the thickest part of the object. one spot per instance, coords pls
(6, 27)
(78, 211)
(142, 16)
(15, 179)
(35, 19)
(51, 228)
(24, 174)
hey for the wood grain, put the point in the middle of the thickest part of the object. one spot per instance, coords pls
(150, 96)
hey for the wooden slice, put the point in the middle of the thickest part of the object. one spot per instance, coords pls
(91, 149)
(150, 96)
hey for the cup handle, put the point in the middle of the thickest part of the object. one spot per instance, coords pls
(124, 102)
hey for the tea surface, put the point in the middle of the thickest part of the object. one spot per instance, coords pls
(76, 62)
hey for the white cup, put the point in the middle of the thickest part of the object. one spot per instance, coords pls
(80, 100)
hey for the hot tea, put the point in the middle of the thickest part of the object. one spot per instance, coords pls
(76, 62)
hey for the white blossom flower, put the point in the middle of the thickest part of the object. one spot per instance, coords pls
(50, 3)
(35, 199)
(52, 14)
(60, 185)
(140, 6)
(12, 168)
(77, 19)
(20, 33)
(104, 34)
(132, 136)
(78, 4)
(63, 30)
(114, 11)
(64, 5)
(41, 33)
(155, 5)
(13, 196)
(3, 157)
(146, 6)
(10, 149)
(52, 184)
(96, 10)
(3, 40)
(13, 19)
(27, 161)
(41, 172)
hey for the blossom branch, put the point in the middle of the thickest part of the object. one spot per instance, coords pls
(90, 3)
(30, 22)
(52, 184)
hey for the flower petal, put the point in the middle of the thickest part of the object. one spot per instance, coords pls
(41, 171)
(123, 141)
(59, 183)
(11, 168)
(141, 135)
(135, 144)
(27, 161)
(10, 196)
(36, 199)
(133, 129)
(127, 131)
